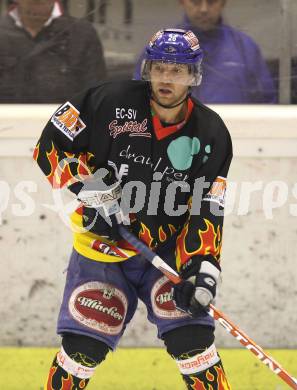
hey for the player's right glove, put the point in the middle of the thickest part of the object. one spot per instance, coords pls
(198, 288)
(101, 210)
(95, 222)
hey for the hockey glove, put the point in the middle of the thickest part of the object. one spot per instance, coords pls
(100, 197)
(198, 289)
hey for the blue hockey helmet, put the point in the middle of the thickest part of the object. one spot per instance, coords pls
(174, 46)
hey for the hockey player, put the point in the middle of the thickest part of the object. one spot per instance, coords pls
(155, 138)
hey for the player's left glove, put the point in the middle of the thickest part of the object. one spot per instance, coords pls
(198, 288)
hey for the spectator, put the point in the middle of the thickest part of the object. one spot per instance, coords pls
(233, 68)
(46, 56)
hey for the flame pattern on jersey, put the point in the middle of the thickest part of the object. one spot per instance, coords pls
(212, 379)
(137, 158)
(145, 236)
(152, 239)
(209, 242)
(55, 164)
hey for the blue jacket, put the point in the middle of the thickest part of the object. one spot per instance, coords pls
(233, 68)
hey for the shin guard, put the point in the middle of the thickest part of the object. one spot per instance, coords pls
(193, 349)
(59, 379)
(212, 379)
(66, 374)
(204, 371)
(76, 362)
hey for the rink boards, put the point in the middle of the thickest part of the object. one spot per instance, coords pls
(259, 286)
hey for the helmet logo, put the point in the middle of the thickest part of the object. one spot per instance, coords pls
(155, 37)
(192, 40)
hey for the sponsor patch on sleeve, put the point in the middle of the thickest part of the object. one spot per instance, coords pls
(67, 120)
(155, 37)
(217, 191)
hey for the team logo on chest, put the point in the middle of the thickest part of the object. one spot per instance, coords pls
(130, 125)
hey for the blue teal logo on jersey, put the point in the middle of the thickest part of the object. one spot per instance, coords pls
(207, 150)
(182, 150)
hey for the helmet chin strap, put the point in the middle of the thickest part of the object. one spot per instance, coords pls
(170, 106)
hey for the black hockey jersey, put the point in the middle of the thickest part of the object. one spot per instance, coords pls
(179, 171)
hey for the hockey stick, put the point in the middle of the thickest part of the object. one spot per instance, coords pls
(214, 312)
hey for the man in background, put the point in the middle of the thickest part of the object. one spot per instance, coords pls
(46, 56)
(233, 68)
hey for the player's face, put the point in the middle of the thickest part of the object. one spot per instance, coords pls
(170, 82)
(203, 14)
(38, 10)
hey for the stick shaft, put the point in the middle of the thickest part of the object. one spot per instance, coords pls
(248, 343)
(214, 312)
(151, 256)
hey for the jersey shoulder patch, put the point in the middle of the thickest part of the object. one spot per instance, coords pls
(67, 120)
(217, 191)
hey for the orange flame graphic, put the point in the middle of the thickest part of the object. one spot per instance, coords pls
(222, 380)
(36, 151)
(209, 376)
(53, 159)
(210, 243)
(67, 384)
(50, 378)
(162, 234)
(60, 172)
(145, 235)
(199, 385)
(90, 156)
(82, 384)
(219, 378)
(83, 168)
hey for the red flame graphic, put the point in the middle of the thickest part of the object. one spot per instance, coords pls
(60, 172)
(222, 380)
(67, 384)
(210, 243)
(50, 378)
(199, 385)
(209, 376)
(172, 229)
(162, 234)
(145, 235)
(82, 384)
(218, 379)
(36, 152)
